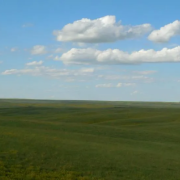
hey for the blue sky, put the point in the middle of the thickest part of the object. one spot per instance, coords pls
(90, 50)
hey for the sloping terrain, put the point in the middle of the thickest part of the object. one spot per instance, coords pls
(89, 140)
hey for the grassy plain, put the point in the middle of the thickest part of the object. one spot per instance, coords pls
(89, 140)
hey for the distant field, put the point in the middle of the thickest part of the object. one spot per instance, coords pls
(89, 140)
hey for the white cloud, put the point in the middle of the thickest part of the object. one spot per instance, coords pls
(114, 80)
(116, 56)
(1, 62)
(104, 29)
(125, 84)
(104, 85)
(164, 34)
(38, 50)
(35, 63)
(64, 74)
(14, 49)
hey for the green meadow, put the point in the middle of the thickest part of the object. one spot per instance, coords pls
(89, 140)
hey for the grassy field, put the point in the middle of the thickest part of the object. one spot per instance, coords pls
(89, 140)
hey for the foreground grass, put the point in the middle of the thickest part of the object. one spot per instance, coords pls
(74, 140)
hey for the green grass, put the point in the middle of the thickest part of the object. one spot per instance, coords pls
(89, 140)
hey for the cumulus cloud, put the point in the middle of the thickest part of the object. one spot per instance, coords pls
(116, 56)
(38, 50)
(34, 63)
(101, 30)
(165, 33)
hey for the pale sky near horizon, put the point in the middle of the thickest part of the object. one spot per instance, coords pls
(90, 50)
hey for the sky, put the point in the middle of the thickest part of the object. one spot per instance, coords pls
(90, 50)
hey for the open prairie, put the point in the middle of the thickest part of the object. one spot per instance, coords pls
(89, 140)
